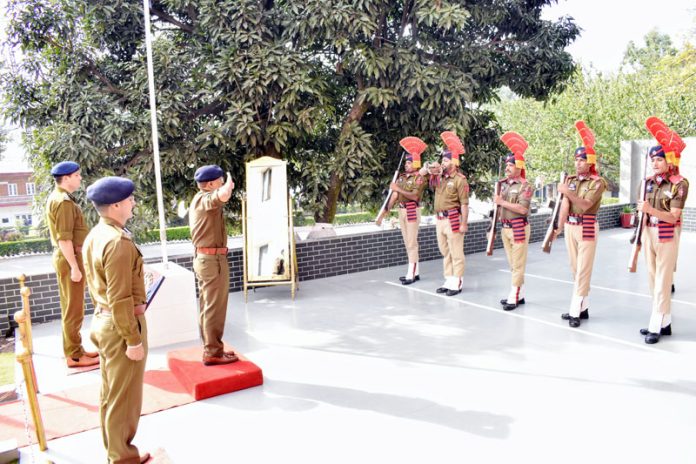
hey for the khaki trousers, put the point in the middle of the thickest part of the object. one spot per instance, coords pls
(660, 258)
(582, 254)
(121, 397)
(451, 245)
(72, 304)
(409, 231)
(213, 274)
(516, 254)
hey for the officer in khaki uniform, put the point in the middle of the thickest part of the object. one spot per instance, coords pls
(582, 197)
(666, 193)
(68, 231)
(114, 273)
(209, 237)
(514, 199)
(407, 191)
(452, 212)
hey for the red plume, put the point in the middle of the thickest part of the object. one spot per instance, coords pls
(454, 145)
(413, 145)
(588, 138)
(665, 136)
(515, 142)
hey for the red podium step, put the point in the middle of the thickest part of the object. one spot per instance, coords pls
(208, 381)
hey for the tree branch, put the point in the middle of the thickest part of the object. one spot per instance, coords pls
(171, 20)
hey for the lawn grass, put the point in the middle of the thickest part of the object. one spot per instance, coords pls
(7, 368)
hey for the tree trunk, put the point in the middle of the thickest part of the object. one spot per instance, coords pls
(336, 182)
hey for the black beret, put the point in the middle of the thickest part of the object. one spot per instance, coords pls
(208, 173)
(110, 190)
(64, 168)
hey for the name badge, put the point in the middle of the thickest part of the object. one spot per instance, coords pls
(668, 194)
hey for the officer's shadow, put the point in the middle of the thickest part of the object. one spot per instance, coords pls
(476, 422)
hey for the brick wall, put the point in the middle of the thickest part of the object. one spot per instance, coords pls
(316, 259)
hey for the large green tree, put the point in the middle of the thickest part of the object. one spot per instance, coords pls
(660, 82)
(329, 85)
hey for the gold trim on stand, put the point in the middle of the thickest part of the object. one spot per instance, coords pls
(23, 319)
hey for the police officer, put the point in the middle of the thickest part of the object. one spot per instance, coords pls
(114, 272)
(514, 200)
(666, 193)
(68, 230)
(408, 191)
(582, 197)
(209, 237)
(452, 212)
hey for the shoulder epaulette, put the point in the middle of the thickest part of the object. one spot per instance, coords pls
(675, 179)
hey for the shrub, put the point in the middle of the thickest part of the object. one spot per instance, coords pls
(37, 245)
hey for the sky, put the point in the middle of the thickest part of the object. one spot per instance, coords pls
(609, 25)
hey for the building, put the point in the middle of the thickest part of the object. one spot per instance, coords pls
(17, 186)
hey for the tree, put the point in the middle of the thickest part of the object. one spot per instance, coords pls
(614, 106)
(329, 85)
(656, 47)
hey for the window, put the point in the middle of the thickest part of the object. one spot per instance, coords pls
(5, 220)
(12, 190)
(30, 188)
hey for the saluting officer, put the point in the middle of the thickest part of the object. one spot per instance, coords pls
(514, 200)
(68, 230)
(666, 193)
(452, 212)
(408, 191)
(582, 197)
(114, 272)
(209, 237)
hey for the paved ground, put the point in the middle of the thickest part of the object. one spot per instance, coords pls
(361, 369)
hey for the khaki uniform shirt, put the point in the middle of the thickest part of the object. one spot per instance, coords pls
(517, 191)
(206, 221)
(64, 217)
(114, 274)
(589, 188)
(412, 182)
(664, 194)
(452, 192)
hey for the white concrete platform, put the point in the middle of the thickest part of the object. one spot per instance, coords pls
(360, 369)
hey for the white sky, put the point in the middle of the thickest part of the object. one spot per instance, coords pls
(608, 26)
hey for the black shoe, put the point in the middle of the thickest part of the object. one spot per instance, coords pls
(407, 281)
(454, 292)
(663, 331)
(442, 290)
(652, 338)
(583, 315)
(402, 278)
(504, 302)
(573, 321)
(509, 307)
(672, 288)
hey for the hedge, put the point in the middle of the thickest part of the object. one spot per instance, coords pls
(35, 245)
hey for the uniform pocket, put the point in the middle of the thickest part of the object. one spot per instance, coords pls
(206, 267)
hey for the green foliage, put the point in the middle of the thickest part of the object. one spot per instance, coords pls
(329, 85)
(614, 106)
(38, 245)
(173, 233)
(7, 368)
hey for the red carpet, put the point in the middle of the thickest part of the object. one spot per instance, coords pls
(73, 411)
(208, 381)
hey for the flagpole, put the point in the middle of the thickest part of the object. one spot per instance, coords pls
(155, 133)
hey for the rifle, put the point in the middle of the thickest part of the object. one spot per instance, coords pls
(553, 221)
(383, 210)
(637, 239)
(494, 214)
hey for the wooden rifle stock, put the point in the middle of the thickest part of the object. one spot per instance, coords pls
(495, 214)
(637, 239)
(553, 221)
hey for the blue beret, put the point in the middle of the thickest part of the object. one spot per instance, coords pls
(658, 151)
(110, 190)
(208, 173)
(64, 168)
